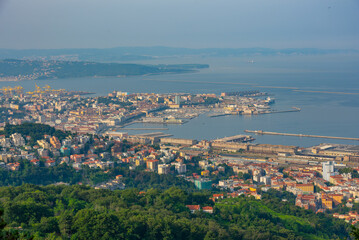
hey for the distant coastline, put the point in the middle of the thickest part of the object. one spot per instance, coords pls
(19, 70)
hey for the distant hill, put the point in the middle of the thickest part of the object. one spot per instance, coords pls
(148, 53)
(50, 69)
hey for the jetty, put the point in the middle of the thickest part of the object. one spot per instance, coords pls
(144, 129)
(260, 132)
(154, 134)
(294, 109)
(219, 115)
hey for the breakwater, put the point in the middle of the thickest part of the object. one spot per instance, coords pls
(299, 135)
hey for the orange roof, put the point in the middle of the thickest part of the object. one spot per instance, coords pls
(208, 208)
(218, 195)
(152, 161)
(193, 207)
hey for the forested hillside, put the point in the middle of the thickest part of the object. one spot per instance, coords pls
(79, 212)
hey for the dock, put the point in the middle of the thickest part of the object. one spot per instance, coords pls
(154, 134)
(218, 115)
(299, 135)
(295, 109)
(144, 129)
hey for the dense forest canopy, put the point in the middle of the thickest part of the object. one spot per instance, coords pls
(80, 212)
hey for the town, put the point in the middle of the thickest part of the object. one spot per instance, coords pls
(88, 133)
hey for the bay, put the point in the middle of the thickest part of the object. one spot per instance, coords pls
(292, 80)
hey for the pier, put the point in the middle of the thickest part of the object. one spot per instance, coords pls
(295, 109)
(144, 128)
(219, 115)
(299, 135)
(154, 134)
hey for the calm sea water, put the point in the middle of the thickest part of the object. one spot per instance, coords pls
(322, 113)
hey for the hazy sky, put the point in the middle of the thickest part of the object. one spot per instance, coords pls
(179, 23)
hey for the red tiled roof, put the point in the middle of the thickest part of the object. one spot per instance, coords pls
(193, 207)
(208, 208)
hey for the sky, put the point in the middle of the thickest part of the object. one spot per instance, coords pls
(42, 24)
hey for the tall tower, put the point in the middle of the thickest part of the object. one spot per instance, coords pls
(328, 170)
(178, 100)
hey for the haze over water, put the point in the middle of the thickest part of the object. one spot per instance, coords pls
(326, 114)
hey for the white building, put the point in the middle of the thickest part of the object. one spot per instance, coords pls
(266, 180)
(163, 169)
(180, 168)
(328, 170)
(17, 139)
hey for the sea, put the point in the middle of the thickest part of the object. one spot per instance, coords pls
(324, 87)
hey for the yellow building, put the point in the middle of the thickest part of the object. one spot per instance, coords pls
(55, 142)
(139, 162)
(305, 187)
(327, 203)
(337, 198)
(205, 173)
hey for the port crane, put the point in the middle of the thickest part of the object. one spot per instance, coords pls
(9, 91)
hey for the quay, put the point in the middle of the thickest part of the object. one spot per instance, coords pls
(295, 109)
(144, 128)
(219, 115)
(298, 135)
(154, 134)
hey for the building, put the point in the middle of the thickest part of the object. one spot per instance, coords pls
(193, 208)
(152, 164)
(180, 168)
(205, 173)
(43, 152)
(178, 100)
(208, 209)
(36, 162)
(203, 184)
(327, 203)
(230, 146)
(178, 141)
(163, 168)
(328, 170)
(17, 139)
(337, 198)
(54, 141)
(272, 149)
(306, 188)
(43, 143)
(307, 201)
(65, 150)
(266, 180)
(50, 163)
